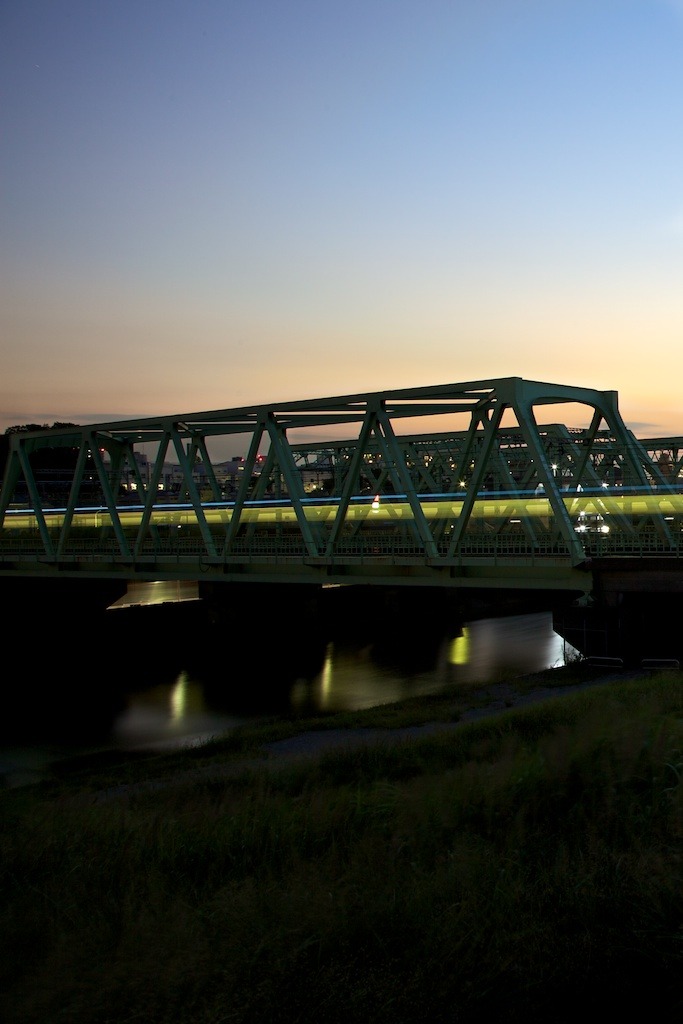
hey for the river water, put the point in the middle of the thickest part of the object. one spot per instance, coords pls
(150, 695)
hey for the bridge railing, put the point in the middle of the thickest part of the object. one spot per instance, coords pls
(643, 544)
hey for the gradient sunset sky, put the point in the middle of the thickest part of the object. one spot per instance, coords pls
(218, 203)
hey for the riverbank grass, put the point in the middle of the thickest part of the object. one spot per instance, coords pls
(522, 868)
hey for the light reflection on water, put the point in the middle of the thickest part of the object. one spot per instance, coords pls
(517, 644)
(486, 649)
(352, 677)
(169, 716)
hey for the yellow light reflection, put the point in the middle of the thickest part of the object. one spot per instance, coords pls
(179, 697)
(326, 674)
(459, 653)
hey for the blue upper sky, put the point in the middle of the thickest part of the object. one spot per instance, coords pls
(223, 202)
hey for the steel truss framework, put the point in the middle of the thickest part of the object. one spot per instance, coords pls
(501, 498)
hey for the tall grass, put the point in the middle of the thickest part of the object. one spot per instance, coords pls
(525, 868)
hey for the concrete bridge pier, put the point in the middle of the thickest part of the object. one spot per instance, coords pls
(635, 613)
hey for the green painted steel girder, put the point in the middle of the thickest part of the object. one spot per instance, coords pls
(373, 503)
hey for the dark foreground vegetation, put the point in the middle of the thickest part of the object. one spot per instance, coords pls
(526, 867)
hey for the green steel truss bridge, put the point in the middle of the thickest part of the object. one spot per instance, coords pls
(479, 484)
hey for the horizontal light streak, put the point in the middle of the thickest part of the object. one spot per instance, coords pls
(387, 509)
